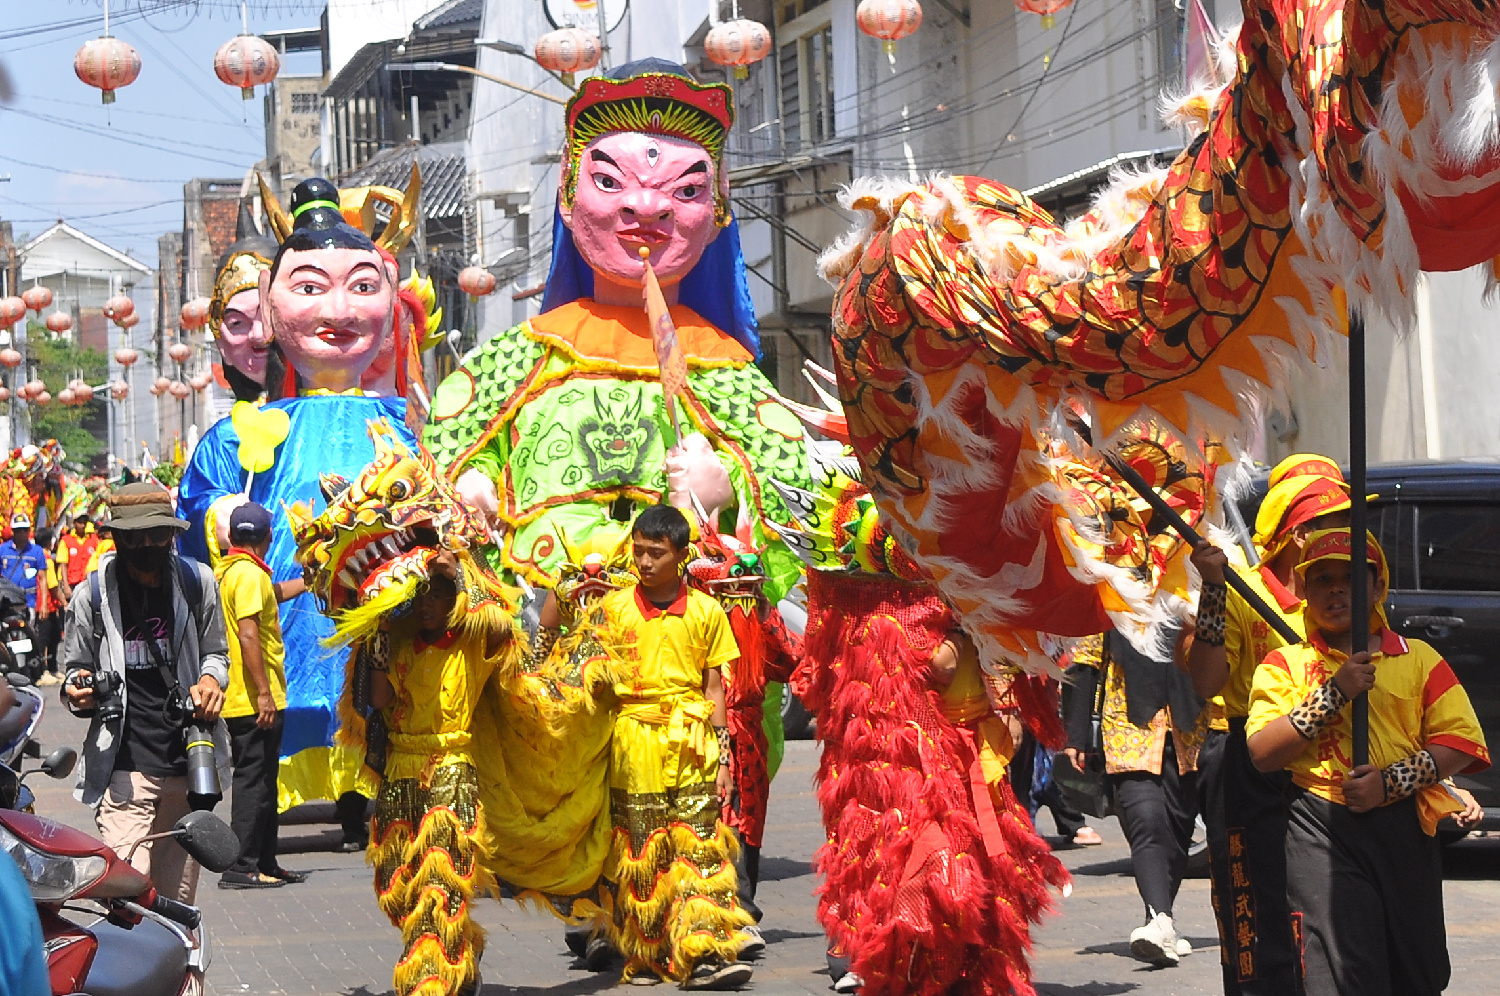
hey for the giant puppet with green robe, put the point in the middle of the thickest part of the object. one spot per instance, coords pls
(559, 426)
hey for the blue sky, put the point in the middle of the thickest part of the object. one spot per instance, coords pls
(116, 172)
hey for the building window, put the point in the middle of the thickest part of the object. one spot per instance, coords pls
(805, 65)
(788, 11)
(304, 103)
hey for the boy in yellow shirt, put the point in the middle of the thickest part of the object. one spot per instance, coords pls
(676, 914)
(255, 701)
(1364, 876)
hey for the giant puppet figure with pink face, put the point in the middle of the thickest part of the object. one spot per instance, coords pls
(559, 426)
(328, 303)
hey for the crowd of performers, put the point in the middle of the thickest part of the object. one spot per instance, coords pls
(548, 601)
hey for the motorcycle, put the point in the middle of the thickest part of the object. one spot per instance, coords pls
(121, 938)
(20, 651)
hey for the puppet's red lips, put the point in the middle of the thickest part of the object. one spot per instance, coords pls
(338, 337)
(644, 237)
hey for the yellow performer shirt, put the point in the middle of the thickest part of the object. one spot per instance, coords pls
(1248, 638)
(437, 688)
(663, 737)
(1417, 700)
(245, 589)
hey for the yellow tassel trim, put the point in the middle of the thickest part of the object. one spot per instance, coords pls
(674, 904)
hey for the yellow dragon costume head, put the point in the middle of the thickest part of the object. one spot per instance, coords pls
(369, 553)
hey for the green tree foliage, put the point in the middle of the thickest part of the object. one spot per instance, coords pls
(57, 361)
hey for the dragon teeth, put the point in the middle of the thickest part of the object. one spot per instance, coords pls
(348, 579)
(390, 546)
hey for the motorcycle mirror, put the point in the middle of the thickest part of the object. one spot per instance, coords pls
(59, 763)
(17, 680)
(208, 839)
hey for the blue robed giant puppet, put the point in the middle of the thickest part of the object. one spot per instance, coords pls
(330, 301)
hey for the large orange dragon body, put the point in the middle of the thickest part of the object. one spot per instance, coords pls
(1357, 143)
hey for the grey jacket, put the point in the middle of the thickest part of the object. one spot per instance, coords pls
(197, 650)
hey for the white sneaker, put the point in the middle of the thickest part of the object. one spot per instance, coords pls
(1184, 947)
(1156, 941)
(848, 983)
(752, 943)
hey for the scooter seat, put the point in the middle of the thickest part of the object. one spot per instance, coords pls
(148, 960)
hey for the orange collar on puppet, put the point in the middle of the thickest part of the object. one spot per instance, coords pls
(620, 336)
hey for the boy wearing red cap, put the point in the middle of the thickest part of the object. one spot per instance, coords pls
(1364, 876)
(1244, 810)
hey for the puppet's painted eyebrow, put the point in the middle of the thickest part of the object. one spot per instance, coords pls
(602, 157)
(701, 166)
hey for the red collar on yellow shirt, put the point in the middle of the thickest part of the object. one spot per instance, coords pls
(442, 643)
(677, 608)
(239, 551)
(1392, 644)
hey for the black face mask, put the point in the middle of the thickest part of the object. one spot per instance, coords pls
(145, 558)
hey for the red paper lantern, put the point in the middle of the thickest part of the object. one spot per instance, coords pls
(738, 44)
(179, 390)
(43, 398)
(160, 385)
(119, 390)
(12, 310)
(1044, 7)
(82, 393)
(124, 356)
(36, 298)
(118, 307)
(129, 321)
(567, 51)
(890, 21)
(4, 393)
(200, 382)
(36, 387)
(246, 61)
(107, 63)
(476, 281)
(194, 313)
(10, 358)
(59, 322)
(66, 396)
(180, 351)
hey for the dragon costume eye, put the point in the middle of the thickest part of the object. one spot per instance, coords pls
(398, 491)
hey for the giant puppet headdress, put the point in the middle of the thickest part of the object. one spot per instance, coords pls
(657, 97)
(239, 270)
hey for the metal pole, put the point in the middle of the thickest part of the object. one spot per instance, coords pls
(603, 35)
(1359, 633)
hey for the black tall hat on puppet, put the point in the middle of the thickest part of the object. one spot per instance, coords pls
(239, 270)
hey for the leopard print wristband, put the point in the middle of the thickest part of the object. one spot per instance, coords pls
(543, 642)
(1213, 602)
(726, 745)
(1314, 712)
(1409, 775)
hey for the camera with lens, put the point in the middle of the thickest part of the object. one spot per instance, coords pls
(106, 686)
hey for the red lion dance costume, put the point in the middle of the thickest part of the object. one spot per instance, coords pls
(932, 873)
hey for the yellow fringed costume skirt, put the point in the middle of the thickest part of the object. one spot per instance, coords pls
(671, 859)
(425, 847)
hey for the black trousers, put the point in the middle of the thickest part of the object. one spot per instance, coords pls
(1067, 820)
(252, 811)
(1157, 813)
(747, 872)
(1245, 812)
(1367, 890)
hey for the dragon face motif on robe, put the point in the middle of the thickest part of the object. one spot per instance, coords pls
(373, 547)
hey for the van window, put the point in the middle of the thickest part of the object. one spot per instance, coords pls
(1386, 521)
(1458, 547)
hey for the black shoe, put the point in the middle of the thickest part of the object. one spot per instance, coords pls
(717, 976)
(287, 875)
(348, 846)
(598, 955)
(248, 880)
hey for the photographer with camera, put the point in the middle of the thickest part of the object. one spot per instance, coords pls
(147, 664)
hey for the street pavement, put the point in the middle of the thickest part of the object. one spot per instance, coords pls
(327, 936)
